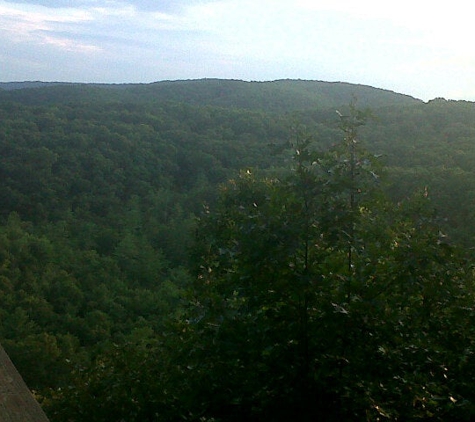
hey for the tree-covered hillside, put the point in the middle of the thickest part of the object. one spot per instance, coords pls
(277, 96)
(114, 207)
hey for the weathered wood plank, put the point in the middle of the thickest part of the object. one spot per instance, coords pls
(17, 404)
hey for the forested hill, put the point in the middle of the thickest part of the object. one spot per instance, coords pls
(276, 96)
(101, 191)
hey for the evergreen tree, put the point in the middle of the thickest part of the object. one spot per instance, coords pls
(317, 297)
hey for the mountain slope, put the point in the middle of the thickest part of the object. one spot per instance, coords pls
(276, 96)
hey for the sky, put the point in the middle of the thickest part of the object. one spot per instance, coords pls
(420, 48)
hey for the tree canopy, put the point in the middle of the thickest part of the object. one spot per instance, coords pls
(315, 296)
(322, 277)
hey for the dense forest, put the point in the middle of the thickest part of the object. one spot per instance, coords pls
(219, 250)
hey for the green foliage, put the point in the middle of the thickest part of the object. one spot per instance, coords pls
(278, 96)
(315, 296)
(60, 303)
(97, 206)
(128, 382)
(311, 290)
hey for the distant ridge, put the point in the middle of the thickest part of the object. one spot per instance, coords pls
(273, 96)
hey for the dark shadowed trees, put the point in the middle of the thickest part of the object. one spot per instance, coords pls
(316, 296)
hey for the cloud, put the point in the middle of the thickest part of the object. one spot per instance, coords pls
(38, 26)
(88, 27)
(109, 41)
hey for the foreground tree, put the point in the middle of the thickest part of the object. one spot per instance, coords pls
(316, 297)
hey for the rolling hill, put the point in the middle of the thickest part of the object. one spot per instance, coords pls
(276, 96)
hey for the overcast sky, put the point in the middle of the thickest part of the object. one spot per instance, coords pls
(421, 48)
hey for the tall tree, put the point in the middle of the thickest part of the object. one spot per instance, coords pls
(316, 296)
